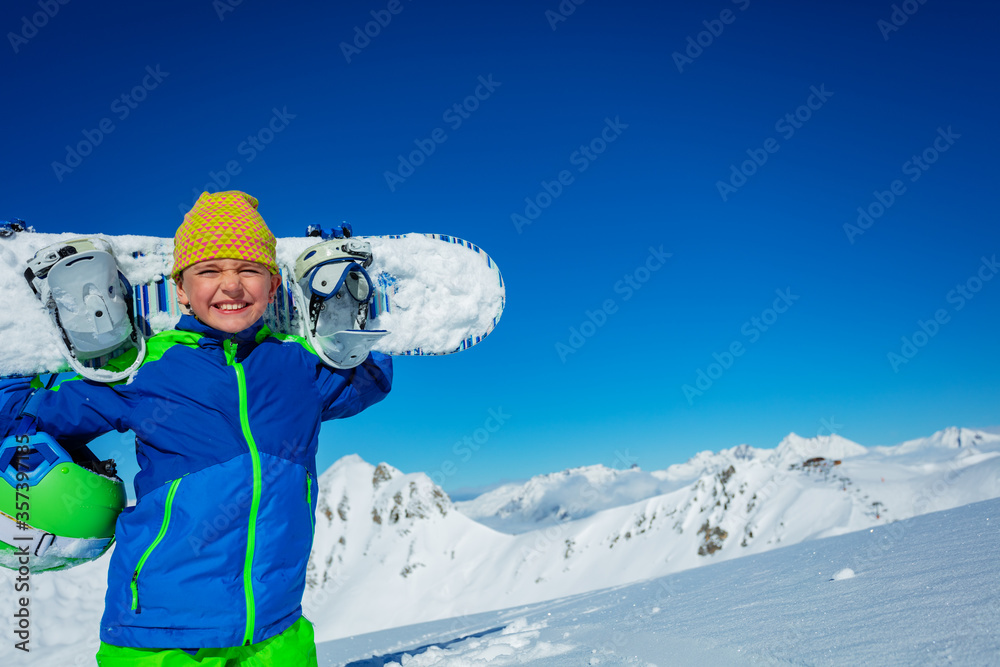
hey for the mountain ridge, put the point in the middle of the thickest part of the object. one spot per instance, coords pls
(715, 506)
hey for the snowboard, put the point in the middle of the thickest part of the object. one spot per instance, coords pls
(435, 294)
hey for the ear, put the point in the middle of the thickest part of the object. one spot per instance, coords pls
(182, 296)
(275, 283)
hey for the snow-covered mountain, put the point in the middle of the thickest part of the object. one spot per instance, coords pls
(580, 492)
(563, 496)
(923, 594)
(391, 549)
(383, 533)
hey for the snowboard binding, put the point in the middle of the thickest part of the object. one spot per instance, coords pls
(87, 298)
(10, 227)
(341, 231)
(331, 278)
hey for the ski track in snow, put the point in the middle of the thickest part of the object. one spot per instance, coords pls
(516, 643)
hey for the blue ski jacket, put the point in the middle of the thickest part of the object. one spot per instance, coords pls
(214, 552)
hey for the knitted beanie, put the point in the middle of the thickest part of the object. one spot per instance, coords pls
(224, 225)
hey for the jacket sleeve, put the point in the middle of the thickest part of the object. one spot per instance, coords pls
(347, 392)
(76, 411)
(13, 394)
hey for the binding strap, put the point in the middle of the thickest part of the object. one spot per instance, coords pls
(49, 550)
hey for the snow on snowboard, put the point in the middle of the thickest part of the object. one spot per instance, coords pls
(420, 294)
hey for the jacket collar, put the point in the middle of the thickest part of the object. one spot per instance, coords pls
(248, 335)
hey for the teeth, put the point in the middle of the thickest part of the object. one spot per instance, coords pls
(231, 306)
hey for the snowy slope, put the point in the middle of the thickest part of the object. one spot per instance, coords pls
(920, 591)
(392, 550)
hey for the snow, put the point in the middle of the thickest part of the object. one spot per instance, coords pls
(735, 503)
(391, 550)
(795, 449)
(514, 644)
(454, 284)
(925, 593)
(558, 497)
(911, 478)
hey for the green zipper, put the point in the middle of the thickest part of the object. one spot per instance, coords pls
(159, 537)
(241, 380)
(309, 501)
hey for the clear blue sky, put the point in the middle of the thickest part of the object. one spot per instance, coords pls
(642, 139)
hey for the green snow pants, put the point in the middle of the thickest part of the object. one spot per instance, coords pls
(294, 647)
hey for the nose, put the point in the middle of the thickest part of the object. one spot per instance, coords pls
(230, 281)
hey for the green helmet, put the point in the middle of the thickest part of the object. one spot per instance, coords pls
(55, 512)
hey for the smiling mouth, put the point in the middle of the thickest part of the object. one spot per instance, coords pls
(230, 307)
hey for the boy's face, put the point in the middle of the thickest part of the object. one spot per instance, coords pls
(227, 294)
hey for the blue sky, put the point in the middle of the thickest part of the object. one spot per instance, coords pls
(742, 158)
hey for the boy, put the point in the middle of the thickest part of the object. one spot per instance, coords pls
(209, 565)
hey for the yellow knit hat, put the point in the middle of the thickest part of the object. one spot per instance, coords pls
(224, 225)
